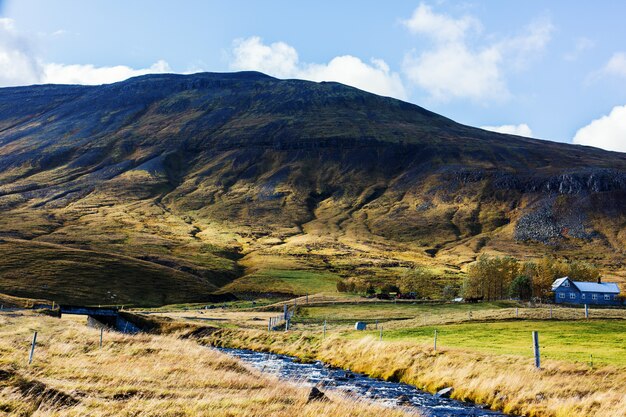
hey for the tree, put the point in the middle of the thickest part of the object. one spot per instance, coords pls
(473, 286)
(490, 277)
(418, 280)
(448, 292)
(521, 288)
(388, 288)
(583, 271)
(546, 270)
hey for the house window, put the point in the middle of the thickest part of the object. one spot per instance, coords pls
(566, 283)
(607, 296)
(572, 295)
(561, 295)
(583, 296)
(594, 296)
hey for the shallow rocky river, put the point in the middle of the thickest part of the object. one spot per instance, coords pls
(391, 394)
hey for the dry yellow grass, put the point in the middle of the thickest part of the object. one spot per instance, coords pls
(505, 382)
(143, 375)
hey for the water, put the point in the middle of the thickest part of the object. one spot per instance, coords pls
(383, 392)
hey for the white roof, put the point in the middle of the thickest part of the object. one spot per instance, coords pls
(604, 287)
(556, 284)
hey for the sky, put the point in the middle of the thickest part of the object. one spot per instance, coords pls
(552, 70)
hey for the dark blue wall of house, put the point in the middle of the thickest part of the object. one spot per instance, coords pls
(563, 295)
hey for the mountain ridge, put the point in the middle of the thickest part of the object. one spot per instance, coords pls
(221, 174)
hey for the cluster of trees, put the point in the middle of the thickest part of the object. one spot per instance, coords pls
(418, 281)
(489, 278)
(496, 278)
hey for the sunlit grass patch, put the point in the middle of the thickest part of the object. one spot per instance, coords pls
(297, 282)
(574, 341)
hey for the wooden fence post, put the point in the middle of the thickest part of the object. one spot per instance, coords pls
(269, 325)
(381, 333)
(32, 348)
(516, 312)
(586, 311)
(307, 298)
(435, 345)
(376, 324)
(536, 349)
(285, 312)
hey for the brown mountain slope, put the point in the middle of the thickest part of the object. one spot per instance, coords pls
(242, 182)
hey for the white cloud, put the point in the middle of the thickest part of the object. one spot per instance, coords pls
(519, 130)
(92, 75)
(444, 28)
(277, 59)
(522, 49)
(17, 64)
(607, 132)
(616, 65)
(281, 60)
(452, 71)
(453, 68)
(20, 66)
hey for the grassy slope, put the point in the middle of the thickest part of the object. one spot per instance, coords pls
(67, 275)
(296, 282)
(143, 375)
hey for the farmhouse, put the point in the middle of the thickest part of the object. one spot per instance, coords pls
(578, 292)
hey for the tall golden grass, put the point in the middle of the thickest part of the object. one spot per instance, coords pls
(141, 375)
(507, 383)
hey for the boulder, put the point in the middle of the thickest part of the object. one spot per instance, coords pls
(445, 392)
(316, 395)
(403, 400)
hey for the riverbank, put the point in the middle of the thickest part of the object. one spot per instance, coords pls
(143, 375)
(508, 383)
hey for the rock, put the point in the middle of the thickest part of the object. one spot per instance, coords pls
(403, 400)
(316, 395)
(445, 392)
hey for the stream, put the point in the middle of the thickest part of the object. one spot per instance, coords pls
(391, 394)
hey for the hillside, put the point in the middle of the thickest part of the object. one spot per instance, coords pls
(168, 188)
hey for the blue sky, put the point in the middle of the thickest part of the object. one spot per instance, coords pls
(553, 70)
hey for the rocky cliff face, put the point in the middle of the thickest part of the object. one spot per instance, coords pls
(191, 173)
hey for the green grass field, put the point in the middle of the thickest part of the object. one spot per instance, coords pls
(297, 282)
(572, 341)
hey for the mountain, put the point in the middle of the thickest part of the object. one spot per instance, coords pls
(178, 188)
